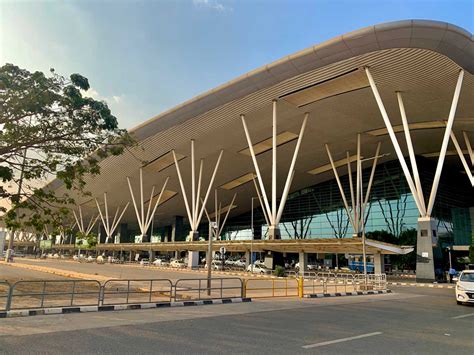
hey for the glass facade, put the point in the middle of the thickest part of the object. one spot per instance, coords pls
(318, 212)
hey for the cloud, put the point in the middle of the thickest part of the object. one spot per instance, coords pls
(117, 99)
(92, 93)
(114, 99)
(212, 4)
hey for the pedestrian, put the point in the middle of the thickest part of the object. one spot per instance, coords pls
(452, 273)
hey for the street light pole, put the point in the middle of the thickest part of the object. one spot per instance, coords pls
(251, 241)
(209, 259)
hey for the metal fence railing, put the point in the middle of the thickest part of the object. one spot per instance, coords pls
(262, 288)
(343, 282)
(53, 293)
(4, 294)
(223, 287)
(37, 294)
(137, 291)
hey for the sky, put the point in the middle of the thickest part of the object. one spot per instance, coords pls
(144, 57)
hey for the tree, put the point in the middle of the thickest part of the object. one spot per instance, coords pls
(49, 129)
(407, 237)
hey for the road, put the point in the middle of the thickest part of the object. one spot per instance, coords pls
(115, 270)
(13, 274)
(411, 320)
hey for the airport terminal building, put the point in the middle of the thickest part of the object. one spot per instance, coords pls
(370, 131)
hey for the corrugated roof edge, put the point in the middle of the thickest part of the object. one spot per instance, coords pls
(452, 41)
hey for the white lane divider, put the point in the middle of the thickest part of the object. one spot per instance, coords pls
(463, 316)
(341, 340)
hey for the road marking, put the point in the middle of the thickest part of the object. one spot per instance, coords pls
(341, 340)
(463, 316)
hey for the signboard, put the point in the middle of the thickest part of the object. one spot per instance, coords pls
(46, 244)
(222, 250)
(155, 238)
(138, 238)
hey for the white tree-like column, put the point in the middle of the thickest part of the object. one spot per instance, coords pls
(196, 211)
(110, 227)
(273, 214)
(144, 219)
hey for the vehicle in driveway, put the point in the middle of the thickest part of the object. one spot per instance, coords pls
(178, 264)
(465, 287)
(160, 262)
(259, 269)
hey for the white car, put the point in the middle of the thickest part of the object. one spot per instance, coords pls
(259, 269)
(308, 267)
(239, 263)
(215, 265)
(178, 264)
(465, 287)
(160, 262)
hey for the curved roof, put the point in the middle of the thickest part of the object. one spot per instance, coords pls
(452, 41)
(420, 58)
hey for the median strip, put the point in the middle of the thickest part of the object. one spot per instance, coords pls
(118, 307)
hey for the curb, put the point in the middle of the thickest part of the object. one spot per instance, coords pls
(117, 307)
(420, 285)
(340, 294)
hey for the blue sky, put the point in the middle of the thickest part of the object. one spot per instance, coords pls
(144, 57)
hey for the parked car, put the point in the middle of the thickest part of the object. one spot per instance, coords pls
(178, 264)
(216, 265)
(259, 269)
(239, 263)
(465, 287)
(160, 262)
(309, 267)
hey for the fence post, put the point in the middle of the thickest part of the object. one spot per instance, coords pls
(101, 295)
(9, 297)
(300, 287)
(244, 288)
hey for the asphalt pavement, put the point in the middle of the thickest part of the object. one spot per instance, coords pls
(409, 321)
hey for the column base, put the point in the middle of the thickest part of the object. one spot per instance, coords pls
(192, 236)
(274, 233)
(425, 239)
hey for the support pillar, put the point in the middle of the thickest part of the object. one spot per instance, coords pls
(426, 238)
(303, 261)
(193, 259)
(248, 258)
(269, 259)
(379, 265)
(177, 229)
(152, 256)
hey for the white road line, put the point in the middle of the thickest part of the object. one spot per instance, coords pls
(463, 316)
(340, 340)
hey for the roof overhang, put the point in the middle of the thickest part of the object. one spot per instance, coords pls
(321, 245)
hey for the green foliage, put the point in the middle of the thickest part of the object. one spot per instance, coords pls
(279, 271)
(48, 129)
(90, 240)
(407, 237)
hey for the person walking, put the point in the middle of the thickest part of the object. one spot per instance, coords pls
(452, 273)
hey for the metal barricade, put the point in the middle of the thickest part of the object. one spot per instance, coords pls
(197, 289)
(262, 288)
(137, 291)
(53, 293)
(4, 294)
(313, 285)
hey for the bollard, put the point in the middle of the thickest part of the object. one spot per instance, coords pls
(301, 287)
(244, 288)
